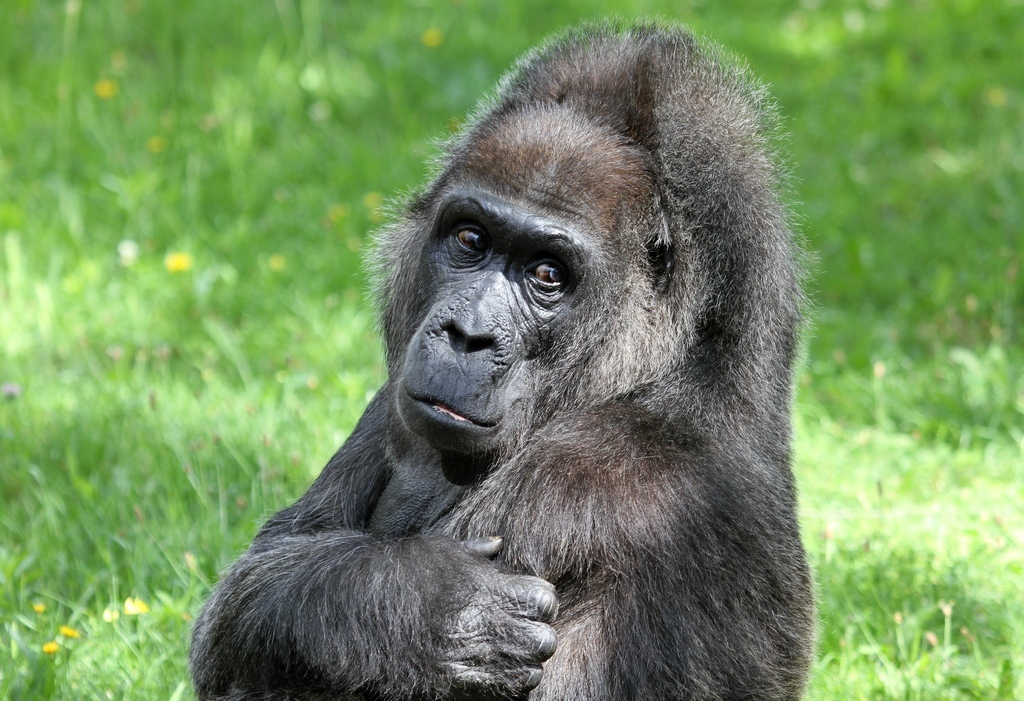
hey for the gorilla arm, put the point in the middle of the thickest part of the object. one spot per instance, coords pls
(674, 579)
(320, 604)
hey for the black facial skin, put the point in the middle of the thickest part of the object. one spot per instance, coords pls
(504, 282)
(575, 483)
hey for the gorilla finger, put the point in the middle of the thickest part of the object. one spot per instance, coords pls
(485, 547)
(534, 598)
(538, 641)
(470, 683)
(466, 676)
(475, 683)
(543, 601)
(533, 677)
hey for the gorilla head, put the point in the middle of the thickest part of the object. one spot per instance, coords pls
(517, 265)
(585, 241)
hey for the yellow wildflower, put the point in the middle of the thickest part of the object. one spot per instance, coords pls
(337, 212)
(156, 144)
(178, 262)
(111, 615)
(997, 97)
(373, 201)
(276, 262)
(39, 607)
(69, 632)
(135, 607)
(51, 647)
(432, 38)
(105, 89)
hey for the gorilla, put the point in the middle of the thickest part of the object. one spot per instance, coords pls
(575, 483)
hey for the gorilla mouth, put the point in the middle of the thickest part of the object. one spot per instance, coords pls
(441, 411)
(447, 429)
(448, 412)
(445, 410)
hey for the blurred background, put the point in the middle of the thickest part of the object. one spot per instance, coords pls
(186, 190)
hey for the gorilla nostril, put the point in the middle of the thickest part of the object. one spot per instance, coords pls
(456, 339)
(478, 344)
(463, 342)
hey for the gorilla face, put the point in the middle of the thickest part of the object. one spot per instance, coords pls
(522, 269)
(504, 278)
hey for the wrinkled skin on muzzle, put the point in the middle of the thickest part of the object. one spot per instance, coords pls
(459, 366)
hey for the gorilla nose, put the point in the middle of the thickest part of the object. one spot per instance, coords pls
(468, 340)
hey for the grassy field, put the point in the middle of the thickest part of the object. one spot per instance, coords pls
(185, 189)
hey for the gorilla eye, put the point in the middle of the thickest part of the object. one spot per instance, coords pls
(549, 276)
(472, 240)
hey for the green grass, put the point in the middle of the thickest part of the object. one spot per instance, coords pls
(156, 417)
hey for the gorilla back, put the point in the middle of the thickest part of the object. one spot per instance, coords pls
(575, 483)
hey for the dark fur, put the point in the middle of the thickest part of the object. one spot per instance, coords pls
(642, 464)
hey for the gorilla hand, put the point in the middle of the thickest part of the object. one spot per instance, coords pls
(501, 637)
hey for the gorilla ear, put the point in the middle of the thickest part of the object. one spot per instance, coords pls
(659, 253)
